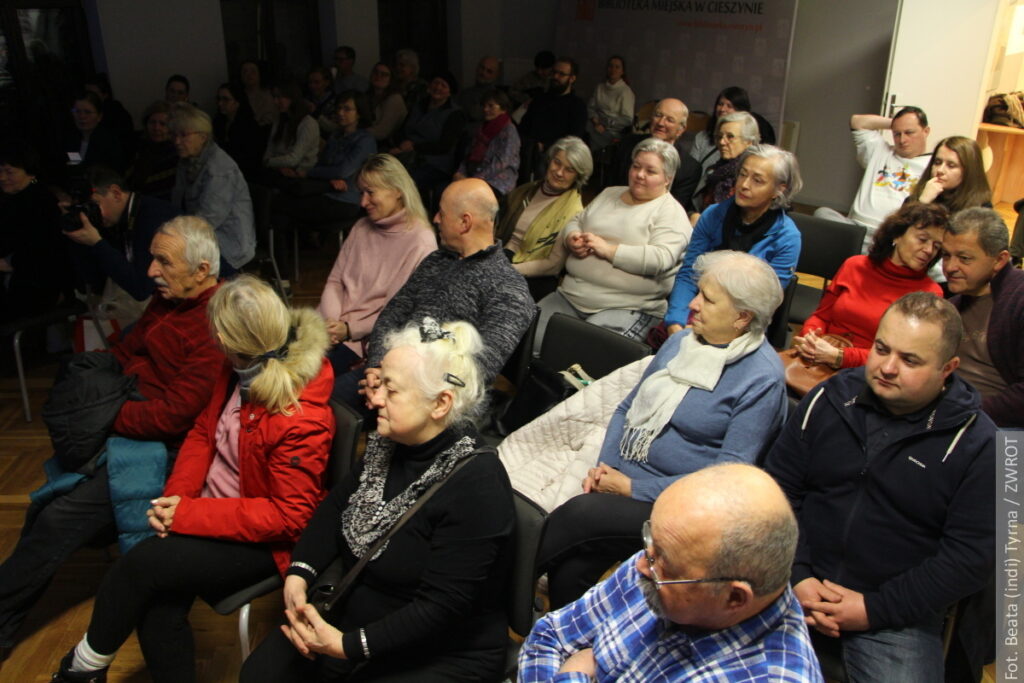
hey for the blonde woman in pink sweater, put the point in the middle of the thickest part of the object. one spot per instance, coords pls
(380, 253)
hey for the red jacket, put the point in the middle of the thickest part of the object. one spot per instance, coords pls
(282, 461)
(176, 360)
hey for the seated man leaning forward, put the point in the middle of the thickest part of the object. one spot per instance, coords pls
(715, 393)
(889, 469)
(468, 278)
(704, 600)
(175, 361)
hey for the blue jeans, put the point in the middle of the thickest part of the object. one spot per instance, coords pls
(906, 655)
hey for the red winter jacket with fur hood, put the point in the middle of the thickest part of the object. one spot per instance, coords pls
(282, 459)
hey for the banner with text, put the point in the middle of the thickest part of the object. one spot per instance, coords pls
(690, 49)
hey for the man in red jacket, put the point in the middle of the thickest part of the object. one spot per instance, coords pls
(175, 360)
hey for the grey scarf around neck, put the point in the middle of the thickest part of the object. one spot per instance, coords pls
(367, 516)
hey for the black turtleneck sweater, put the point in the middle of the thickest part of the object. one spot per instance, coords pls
(438, 588)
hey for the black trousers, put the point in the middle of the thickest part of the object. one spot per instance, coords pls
(585, 536)
(151, 589)
(51, 533)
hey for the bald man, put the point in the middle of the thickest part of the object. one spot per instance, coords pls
(707, 599)
(668, 123)
(468, 278)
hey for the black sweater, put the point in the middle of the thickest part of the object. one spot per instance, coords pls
(439, 585)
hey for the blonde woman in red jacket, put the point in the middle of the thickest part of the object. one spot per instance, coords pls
(244, 485)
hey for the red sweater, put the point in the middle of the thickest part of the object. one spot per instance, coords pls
(173, 354)
(855, 300)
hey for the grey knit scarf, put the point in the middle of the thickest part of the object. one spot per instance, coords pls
(367, 516)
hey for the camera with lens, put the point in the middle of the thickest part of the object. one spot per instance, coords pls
(81, 203)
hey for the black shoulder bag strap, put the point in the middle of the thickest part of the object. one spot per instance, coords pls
(329, 588)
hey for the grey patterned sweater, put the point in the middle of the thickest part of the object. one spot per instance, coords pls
(482, 289)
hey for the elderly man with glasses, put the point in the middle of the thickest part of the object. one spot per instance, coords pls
(707, 599)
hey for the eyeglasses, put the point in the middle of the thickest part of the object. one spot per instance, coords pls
(649, 543)
(728, 137)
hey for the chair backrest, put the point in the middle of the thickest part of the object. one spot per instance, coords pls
(826, 244)
(778, 330)
(348, 425)
(522, 577)
(518, 364)
(569, 340)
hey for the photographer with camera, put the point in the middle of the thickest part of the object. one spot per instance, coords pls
(112, 231)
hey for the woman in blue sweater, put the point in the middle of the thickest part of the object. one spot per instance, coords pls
(754, 220)
(714, 393)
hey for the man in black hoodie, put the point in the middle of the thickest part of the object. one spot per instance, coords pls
(890, 470)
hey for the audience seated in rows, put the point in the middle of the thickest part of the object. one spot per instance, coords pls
(534, 82)
(113, 258)
(156, 159)
(236, 131)
(488, 76)
(250, 75)
(891, 171)
(243, 488)
(88, 143)
(754, 221)
(33, 255)
(729, 101)
(906, 245)
(174, 358)
(375, 260)
(493, 153)
(734, 133)
(889, 469)
(294, 138)
(430, 606)
(552, 114)
(989, 293)
(328, 191)
(536, 213)
(345, 77)
(210, 185)
(668, 123)
(406, 76)
(713, 393)
(468, 279)
(430, 136)
(610, 108)
(729, 533)
(622, 251)
(386, 100)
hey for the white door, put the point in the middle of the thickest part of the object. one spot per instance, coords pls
(940, 63)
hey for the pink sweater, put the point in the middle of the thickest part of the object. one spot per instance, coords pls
(374, 262)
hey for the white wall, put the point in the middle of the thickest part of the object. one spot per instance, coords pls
(837, 68)
(356, 25)
(145, 42)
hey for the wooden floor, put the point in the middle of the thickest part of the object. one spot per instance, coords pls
(61, 617)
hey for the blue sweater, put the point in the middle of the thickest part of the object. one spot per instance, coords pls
(733, 423)
(780, 248)
(342, 159)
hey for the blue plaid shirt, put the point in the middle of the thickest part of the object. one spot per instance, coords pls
(631, 644)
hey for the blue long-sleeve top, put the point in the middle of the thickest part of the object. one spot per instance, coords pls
(342, 158)
(780, 248)
(734, 422)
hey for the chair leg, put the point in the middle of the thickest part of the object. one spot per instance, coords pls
(21, 376)
(243, 630)
(286, 295)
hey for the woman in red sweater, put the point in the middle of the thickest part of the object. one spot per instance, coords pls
(905, 246)
(245, 483)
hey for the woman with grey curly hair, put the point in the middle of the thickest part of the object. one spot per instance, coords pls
(429, 606)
